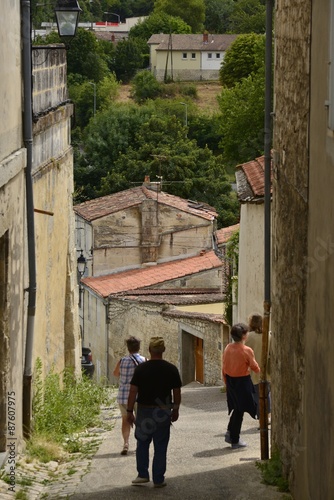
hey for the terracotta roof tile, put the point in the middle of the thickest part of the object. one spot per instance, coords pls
(100, 207)
(144, 277)
(224, 234)
(250, 180)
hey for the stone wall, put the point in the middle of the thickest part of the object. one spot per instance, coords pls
(146, 320)
(290, 227)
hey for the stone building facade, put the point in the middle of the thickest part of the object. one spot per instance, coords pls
(53, 323)
(181, 300)
(302, 251)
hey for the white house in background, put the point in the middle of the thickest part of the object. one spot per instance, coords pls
(250, 190)
(188, 57)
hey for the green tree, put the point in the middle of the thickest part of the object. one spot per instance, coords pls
(191, 11)
(130, 56)
(126, 142)
(242, 121)
(248, 16)
(217, 15)
(134, 8)
(245, 56)
(85, 56)
(159, 23)
(145, 86)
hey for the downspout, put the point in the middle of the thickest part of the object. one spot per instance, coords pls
(28, 141)
(263, 387)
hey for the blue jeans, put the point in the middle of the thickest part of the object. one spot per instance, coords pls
(152, 424)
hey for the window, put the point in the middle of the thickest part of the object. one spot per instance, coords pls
(209, 55)
(218, 55)
(193, 55)
(184, 55)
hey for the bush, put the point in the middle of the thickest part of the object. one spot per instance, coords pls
(145, 86)
(60, 409)
(189, 90)
(272, 473)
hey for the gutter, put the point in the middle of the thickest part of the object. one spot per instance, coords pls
(28, 141)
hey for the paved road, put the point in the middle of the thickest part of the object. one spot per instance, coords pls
(200, 464)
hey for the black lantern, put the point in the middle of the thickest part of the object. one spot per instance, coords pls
(81, 264)
(67, 16)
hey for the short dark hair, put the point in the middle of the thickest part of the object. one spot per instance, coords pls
(133, 344)
(238, 330)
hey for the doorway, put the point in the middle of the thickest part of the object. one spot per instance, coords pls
(192, 358)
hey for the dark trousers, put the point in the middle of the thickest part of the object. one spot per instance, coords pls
(152, 424)
(234, 425)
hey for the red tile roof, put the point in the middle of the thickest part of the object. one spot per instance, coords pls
(100, 207)
(250, 180)
(145, 277)
(224, 234)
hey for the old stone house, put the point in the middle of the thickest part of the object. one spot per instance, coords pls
(302, 253)
(181, 300)
(38, 312)
(188, 57)
(141, 226)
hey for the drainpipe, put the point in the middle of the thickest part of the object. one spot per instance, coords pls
(263, 387)
(28, 141)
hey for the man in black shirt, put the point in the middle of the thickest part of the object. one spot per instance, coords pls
(156, 386)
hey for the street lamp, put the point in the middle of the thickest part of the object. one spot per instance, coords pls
(186, 116)
(94, 85)
(81, 267)
(81, 264)
(67, 17)
(113, 14)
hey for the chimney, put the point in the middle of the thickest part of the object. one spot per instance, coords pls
(205, 37)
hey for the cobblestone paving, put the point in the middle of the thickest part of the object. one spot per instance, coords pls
(53, 480)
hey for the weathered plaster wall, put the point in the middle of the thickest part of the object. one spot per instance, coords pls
(290, 230)
(56, 337)
(251, 262)
(151, 233)
(95, 328)
(12, 224)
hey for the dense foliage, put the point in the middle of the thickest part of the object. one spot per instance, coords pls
(191, 11)
(244, 57)
(161, 132)
(159, 23)
(242, 123)
(216, 16)
(127, 142)
(61, 408)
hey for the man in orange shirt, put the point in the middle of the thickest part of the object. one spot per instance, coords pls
(238, 361)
